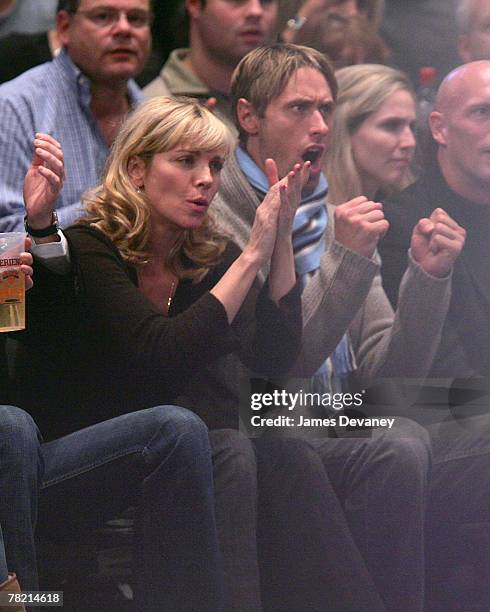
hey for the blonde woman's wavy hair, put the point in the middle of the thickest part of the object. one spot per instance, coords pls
(121, 211)
(362, 90)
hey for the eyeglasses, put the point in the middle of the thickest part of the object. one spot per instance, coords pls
(107, 17)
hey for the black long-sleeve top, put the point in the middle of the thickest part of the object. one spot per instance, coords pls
(96, 347)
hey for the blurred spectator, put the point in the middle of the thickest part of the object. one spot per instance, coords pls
(473, 23)
(26, 16)
(347, 40)
(421, 33)
(220, 34)
(302, 19)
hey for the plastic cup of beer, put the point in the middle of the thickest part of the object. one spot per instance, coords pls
(12, 282)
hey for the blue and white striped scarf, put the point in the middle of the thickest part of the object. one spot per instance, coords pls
(309, 227)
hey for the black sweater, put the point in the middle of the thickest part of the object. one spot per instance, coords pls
(97, 347)
(464, 350)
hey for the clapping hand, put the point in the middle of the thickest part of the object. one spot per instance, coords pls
(290, 189)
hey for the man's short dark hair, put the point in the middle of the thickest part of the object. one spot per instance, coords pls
(70, 6)
(263, 74)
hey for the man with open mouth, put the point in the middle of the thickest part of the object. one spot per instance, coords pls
(283, 101)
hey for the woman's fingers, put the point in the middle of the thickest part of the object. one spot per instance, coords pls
(305, 174)
(27, 271)
(26, 259)
(25, 266)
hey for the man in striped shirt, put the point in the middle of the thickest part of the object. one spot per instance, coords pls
(80, 98)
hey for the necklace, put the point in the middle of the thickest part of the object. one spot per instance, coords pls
(170, 296)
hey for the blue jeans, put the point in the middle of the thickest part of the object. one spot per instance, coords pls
(382, 482)
(158, 459)
(285, 541)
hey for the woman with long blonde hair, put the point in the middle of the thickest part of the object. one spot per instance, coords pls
(155, 295)
(372, 141)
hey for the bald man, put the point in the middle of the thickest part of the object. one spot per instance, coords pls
(457, 180)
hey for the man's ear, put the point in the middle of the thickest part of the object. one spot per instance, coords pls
(437, 127)
(194, 8)
(247, 117)
(463, 50)
(63, 21)
(136, 171)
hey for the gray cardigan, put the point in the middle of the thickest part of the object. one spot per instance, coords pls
(346, 294)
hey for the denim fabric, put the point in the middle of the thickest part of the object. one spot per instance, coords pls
(458, 516)
(158, 459)
(21, 468)
(235, 486)
(308, 558)
(278, 513)
(382, 483)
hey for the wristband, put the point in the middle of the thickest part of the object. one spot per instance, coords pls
(46, 231)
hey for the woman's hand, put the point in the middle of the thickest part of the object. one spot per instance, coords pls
(43, 181)
(276, 211)
(26, 264)
(290, 194)
(282, 276)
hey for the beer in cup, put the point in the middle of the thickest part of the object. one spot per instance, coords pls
(12, 282)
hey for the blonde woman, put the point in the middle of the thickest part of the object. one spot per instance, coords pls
(154, 296)
(149, 235)
(372, 140)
